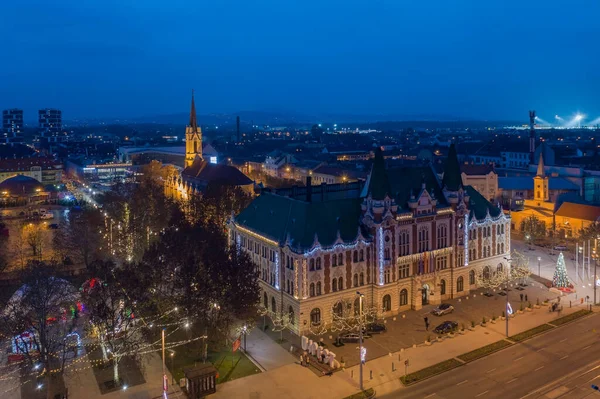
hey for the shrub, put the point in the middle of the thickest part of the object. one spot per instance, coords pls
(521, 307)
(503, 315)
(472, 324)
(483, 320)
(429, 338)
(537, 302)
(493, 318)
(530, 305)
(462, 327)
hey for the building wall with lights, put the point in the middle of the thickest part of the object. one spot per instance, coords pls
(315, 247)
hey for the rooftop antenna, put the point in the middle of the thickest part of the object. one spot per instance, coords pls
(531, 136)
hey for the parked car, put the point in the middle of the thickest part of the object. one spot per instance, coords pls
(560, 248)
(376, 328)
(48, 215)
(349, 337)
(446, 327)
(443, 309)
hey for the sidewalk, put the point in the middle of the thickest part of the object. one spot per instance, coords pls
(261, 349)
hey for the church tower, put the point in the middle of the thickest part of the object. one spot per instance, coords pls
(193, 138)
(540, 181)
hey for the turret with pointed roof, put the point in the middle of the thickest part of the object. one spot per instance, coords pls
(540, 168)
(452, 180)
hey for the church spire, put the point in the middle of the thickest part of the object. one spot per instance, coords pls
(452, 179)
(193, 120)
(540, 168)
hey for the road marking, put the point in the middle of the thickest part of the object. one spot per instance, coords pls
(489, 371)
(460, 383)
(589, 346)
(563, 340)
(519, 358)
(539, 368)
(430, 395)
(482, 393)
(514, 379)
(564, 357)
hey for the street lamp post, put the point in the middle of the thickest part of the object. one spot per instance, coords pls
(507, 304)
(360, 338)
(539, 259)
(172, 370)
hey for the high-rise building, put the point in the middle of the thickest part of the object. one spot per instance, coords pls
(12, 126)
(50, 125)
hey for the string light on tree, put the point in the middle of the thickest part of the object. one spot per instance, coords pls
(560, 278)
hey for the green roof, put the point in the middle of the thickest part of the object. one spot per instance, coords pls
(479, 206)
(405, 180)
(379, 185)
(275, 216)
(452, 179)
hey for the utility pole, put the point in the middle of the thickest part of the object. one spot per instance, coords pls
(165, 388)
(539, 259)
(507, 304)
(360, 338)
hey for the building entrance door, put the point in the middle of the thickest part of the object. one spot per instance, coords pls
(425, 294)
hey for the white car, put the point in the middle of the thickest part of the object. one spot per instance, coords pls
(47, 215)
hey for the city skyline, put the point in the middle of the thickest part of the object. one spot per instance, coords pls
(465, 60)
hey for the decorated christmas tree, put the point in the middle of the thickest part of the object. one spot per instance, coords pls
(560, 279)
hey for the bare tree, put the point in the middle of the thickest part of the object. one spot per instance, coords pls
(490, 280)
(519, 269)
(38, 319)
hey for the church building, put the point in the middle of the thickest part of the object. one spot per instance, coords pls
(198, 173)
(403, 239)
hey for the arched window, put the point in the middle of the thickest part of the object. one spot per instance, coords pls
(442, 236)
(362, 257)
(315, 316)
(362, 279)
(498, 249)
(502, 247)
(333, 260)
(489, 231)
(355, 280)
(499, 268)
(266, 300)
(355, 256)
(312, 265)
(334, 285)
(273, 305)
(460, 284)
(387, 303)
(291, 314)
(443, 287)
(340, 259)
(318, 263)
(472, 277)
(318, 288)
(502, 230)
(403, 297)
(486, 272)
(287, 286)
(338, 309)
(340, 283)
(312, 289)
(404, 244)
(357, 307)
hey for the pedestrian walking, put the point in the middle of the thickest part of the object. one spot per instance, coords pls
(526, 298)
(426, 323)
(307, 361)
(301, 360)
(521, 297)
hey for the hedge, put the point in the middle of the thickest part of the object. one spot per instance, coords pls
(570, 317)
(484, 351)
(530, 333)
(430, 371)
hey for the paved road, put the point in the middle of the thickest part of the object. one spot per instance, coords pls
(556, 364)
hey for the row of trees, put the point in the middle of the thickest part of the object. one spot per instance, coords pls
(150, 262)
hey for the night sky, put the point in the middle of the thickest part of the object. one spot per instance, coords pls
(463, 58)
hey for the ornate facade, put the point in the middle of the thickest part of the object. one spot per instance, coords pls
(403, 239)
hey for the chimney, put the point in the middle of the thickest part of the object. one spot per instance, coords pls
(237, 123)
(308, 188)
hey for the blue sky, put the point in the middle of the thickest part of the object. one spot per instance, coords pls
(467, 58)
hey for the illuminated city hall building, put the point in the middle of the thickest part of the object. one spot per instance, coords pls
(403, 239)
(198, 173)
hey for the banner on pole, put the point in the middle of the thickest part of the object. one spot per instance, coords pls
(236, 345)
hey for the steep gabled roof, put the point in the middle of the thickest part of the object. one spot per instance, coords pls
(579, 211)
(407, 180)
(275, 217)
(452, 180)
(378, 182)
(221, 174)
(479, 206)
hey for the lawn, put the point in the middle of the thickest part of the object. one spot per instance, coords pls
(430, 371)
(530, 333)
(228, 367)
(483, 351)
